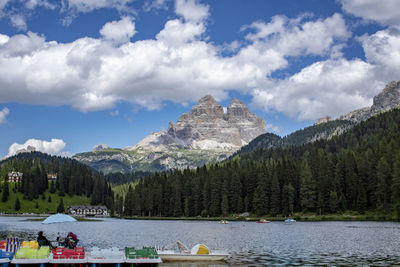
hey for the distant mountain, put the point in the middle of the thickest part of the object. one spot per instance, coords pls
(386, 100)
(326, 127)
(208, 133)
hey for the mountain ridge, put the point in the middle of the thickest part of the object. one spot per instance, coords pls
(208, 133)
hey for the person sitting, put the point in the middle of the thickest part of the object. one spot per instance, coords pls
(71, 240)
(42, 240)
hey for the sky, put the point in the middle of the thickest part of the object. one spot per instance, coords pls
(76, 73)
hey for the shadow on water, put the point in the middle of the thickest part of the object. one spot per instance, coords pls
(249, 243)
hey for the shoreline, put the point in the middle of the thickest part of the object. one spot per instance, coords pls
(301, 218)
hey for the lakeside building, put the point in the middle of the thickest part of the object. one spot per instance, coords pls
(100, 211)
(14, 177)
(51, 176)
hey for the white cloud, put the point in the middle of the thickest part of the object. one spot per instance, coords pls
(18, 21)
(53, 147)
(385, 12)
(86, 6)
(155, 5)
(191, 10)
(294, 37)
(3, 3)
(175, 33)
(181, 65)
(382, 49)
(119, 31)
(3, 115)
(332, 87)
(32, 4)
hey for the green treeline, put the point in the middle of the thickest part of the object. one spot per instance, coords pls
(356, 171)
(73, 178)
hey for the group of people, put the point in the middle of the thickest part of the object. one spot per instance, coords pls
(69, 242)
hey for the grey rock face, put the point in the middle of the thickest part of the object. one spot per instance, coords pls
(100, 147)
(208, 127)
(323, 120)
(386, 100)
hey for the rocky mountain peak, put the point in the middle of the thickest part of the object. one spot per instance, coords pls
(207, 127)
(236, 102)
(323, 120)
(207, 107)
(387, 99)
(100, 147)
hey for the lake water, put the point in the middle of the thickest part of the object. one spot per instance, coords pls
(249, 243)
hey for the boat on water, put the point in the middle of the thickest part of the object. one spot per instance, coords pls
(223, 222)
(199, 252)
(290, 220)
(262, 221)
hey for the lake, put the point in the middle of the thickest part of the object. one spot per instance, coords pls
(249, 243)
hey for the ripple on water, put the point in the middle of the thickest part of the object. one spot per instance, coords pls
(249, 243)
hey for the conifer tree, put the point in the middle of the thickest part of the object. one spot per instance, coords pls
(224, 205)
(275, 196)
(383, 174)
(308, 187)
(60, 208)
(333, 201)
(396, 186)
(5, 191)
(17, 204)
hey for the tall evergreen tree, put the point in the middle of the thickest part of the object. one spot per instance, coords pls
(60, 208)
(383, 174)
(17, 204)
(396, 186)
(275, 196)
(308, 187)
(5, 191)
(288, 199)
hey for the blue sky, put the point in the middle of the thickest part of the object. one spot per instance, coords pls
(76, 73)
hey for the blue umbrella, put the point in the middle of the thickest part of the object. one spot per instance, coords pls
(59, 218)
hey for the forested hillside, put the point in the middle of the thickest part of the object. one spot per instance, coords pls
(307, 135)
(356, 171)
(73, 179)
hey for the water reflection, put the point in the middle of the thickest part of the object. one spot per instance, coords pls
(249, 243)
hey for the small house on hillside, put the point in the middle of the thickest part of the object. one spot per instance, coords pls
(51, 176)
(100, 211)
(14, 177)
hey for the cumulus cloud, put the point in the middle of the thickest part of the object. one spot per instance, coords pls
(3, 3)
(53, 147)
(3, 115)
(18, 21)
(181, 65)
(382, 49)
(32, 4)
(119, 31)
(292, 37)
(332, 87)
(155, 5)
(385, 12)
(191, 10)
(18, 12)
(85, 6)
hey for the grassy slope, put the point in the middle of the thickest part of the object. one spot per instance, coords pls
(122, 190)
(28, 206)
